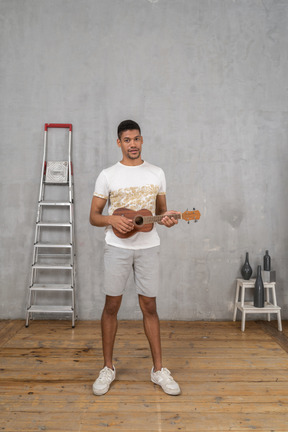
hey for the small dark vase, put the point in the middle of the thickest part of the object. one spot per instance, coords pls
(246, 270)
(259, 290)
(267, 261)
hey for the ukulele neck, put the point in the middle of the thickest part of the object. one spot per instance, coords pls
(158, 218)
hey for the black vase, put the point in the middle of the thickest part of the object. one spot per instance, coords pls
(246, 270)
(259, 290)
(267, 261)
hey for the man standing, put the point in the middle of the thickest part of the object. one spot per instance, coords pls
(135, 184)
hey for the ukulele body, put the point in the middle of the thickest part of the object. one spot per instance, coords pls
(138, 221)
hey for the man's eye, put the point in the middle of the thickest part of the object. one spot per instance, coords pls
(127, 140)
(137, 139)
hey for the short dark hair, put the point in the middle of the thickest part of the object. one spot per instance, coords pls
(127, 125)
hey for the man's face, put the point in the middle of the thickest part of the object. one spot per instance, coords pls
(130, 143)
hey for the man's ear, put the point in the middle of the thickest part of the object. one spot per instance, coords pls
(118, 143)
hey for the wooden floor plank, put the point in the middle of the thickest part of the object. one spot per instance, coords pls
(144, 421)
(185, 406)
(133, 390)
(33, 366)
(180, 350)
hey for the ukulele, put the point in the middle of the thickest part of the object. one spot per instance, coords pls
(143, 219)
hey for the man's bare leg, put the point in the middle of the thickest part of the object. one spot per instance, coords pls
(160, 376)
(109, 325)
(152, 328)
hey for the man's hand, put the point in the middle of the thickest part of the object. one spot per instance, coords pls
(121, 224)
(168, 221)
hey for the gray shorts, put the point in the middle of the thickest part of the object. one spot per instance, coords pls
(118, 264)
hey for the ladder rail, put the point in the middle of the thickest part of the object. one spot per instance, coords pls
(43, 166)
(70, 169)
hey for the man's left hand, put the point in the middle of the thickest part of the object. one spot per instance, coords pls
(168, 221)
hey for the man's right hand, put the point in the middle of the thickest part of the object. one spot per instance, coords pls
(121, 224)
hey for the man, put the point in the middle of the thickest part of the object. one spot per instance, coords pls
(135, 184)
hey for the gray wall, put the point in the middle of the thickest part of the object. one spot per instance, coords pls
(207, 80)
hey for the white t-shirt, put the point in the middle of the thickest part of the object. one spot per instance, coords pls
(136, 188)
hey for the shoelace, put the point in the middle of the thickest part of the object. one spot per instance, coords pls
(167, 374)
(105, 373)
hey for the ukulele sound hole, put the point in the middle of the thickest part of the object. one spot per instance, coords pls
(138, 220)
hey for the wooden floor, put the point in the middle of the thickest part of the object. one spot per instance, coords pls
(230, 380)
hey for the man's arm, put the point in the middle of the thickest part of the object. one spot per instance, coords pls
(121, 223)
(96, 217)
(161, 208)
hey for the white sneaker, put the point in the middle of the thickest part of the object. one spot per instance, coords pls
(166, 381)
(102, 383)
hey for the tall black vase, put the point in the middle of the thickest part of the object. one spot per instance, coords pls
(259, 290)
(246, 270)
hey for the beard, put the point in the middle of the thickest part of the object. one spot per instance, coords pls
(135, 155)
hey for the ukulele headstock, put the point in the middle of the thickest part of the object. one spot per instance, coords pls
(191, 215)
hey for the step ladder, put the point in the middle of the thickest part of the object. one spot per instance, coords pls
(52, 284)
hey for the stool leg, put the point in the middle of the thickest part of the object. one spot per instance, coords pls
(236, 301)
(279, 321)
(242, 295)
(268, 301)
(243, 321)
(274, 295)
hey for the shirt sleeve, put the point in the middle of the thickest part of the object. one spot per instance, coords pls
(162, 188)
(101, 186)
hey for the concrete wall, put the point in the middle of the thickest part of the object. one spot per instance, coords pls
(207, 80)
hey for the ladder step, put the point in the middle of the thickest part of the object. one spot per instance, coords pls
(50, 309)
(65, 258)
(55, 203)
(53, 245)
(64, 183)
(52, 266)
(54, 224)
(51, 287)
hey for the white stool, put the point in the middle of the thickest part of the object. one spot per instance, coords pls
(248, 307)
